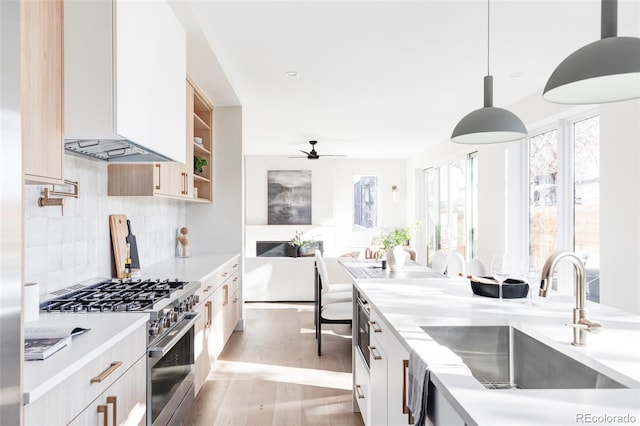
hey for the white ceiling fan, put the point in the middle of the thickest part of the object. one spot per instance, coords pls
(313, 154)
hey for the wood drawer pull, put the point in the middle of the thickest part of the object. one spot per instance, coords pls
(359, 393)
(114, 400)
(376, 328)
(405, 386)
(159, 183)
(226, 295)
(374, 353)
(105, 412)
(113, 367)
(209, 306)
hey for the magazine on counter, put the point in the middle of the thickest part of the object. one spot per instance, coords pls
(42, 342)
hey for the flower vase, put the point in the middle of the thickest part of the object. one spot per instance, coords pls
(395, 258)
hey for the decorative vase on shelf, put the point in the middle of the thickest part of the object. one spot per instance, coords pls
(395, 258)
(183, 249)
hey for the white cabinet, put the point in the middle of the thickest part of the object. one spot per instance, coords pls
(381, 391)
(220, 306)
(125, 64)
(119, 372)
(361, 386)
(123, 402)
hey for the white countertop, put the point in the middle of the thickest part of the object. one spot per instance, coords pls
(196, 268)
(615, 351)
(106, 329)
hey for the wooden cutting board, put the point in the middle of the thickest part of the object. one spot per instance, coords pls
(119, 232)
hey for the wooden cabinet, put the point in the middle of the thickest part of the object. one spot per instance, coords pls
(170, 179)
(41, 87)
(119, 372)
(159, 179)
(125, 63)
(200, 140)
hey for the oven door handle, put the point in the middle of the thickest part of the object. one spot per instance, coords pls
(163, 346)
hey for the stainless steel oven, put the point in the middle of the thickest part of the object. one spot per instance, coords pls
(170, 373)
(363, 323)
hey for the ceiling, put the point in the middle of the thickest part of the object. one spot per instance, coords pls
(379, 79)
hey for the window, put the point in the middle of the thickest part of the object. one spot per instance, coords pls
(365, 201)
(451, 207)
(564, 194)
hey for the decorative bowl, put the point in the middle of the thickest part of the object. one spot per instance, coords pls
(511, 288)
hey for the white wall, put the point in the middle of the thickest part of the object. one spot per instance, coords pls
(218, 227)
(332, 199)
(620, 205)
(62, 250)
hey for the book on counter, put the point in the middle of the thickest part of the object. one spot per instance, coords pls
(42, 342)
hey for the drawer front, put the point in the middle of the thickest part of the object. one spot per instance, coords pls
(65, 401)
(207, 287)
(378, 329)
(361, 387)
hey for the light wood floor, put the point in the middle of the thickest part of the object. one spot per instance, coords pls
(270, 373)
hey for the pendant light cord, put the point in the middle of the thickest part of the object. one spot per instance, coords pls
(488, 34)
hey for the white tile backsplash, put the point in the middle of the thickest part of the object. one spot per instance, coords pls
(62, 250)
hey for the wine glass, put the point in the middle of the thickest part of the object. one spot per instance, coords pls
(500, 270)
(531, 267)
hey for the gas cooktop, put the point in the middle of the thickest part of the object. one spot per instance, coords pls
(118, 295)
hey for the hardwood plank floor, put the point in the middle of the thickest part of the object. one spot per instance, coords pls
(270, 374)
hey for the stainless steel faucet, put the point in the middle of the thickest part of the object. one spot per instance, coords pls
(581, 324)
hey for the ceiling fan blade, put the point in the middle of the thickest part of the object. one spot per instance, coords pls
(333, 155)
(305, 152)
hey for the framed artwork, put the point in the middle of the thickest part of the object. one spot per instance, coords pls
(289, 197)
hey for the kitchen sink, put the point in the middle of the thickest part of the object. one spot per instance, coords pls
(502, 357)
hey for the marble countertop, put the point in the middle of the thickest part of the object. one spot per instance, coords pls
(409, 304)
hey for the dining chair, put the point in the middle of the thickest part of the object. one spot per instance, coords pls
(455, 264)
(476, 267)
(439, 261)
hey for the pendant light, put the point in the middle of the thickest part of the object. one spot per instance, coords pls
(607, 70)
(489, 124)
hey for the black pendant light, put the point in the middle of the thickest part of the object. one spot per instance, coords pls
(607, 70)
(489, 124)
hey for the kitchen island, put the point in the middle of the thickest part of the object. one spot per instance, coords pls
(404, 306)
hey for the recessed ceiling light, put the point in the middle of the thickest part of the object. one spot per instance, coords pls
(291, 73)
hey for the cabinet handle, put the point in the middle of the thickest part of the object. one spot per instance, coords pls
(207, 289)
(405, 386)
(113, 367)
(374, 353)
(226, 295)
(224, 274)
(235, 279)
(114, 400)
(235, 265)
(104, 410)
(359, 393)
(158, 185)
(209, 306)
(374, 326)
(185, 184)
